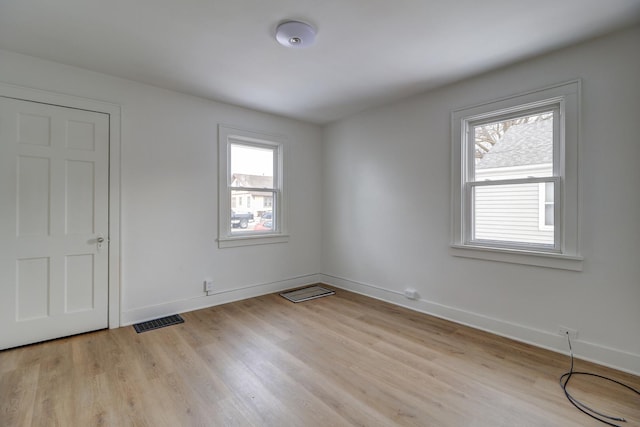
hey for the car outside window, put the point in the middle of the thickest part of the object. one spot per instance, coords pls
(251, 188)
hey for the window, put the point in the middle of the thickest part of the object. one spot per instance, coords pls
(511, 157)
(251, 171)
(515, 175)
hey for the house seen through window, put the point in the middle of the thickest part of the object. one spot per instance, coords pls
(252, 186)
(515, 178)
(511, 157)
(251, 198)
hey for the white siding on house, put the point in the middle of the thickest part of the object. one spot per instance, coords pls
(509, 213)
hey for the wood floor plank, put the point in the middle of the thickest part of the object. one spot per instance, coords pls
(296, 382)
(343, 360)
(18, 400)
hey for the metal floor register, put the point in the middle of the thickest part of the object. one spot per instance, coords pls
(158, 323)
(305, 294)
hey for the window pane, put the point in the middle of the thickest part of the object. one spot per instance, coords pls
(548, 214)
(548, 204)
(548, 192)
(261, 215)
(509, 214)
(520, 147)
(252, 166)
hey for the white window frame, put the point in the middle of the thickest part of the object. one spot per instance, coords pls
(564, 253)
(226, 238)
(555, 106)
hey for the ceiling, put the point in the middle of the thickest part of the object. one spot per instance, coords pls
(367, 52)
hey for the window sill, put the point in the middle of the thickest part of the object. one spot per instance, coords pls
(237, 241)
(539, 259)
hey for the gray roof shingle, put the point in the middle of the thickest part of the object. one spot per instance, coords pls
(252, 181)
(524, 144)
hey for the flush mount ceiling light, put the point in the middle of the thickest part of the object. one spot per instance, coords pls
(295, 34)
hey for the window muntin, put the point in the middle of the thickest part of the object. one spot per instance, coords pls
(561, 213)
(251, 188)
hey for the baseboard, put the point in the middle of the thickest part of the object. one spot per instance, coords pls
(606, 356)
(143, 314)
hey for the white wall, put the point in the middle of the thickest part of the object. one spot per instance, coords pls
(382, 193)
(169, 192)
(397, 159)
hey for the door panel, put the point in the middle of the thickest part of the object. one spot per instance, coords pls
(33, 195)
(79, 283)
(32, 289)
(53, 208)
(79, 201)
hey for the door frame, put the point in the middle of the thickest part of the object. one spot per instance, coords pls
(114, 112)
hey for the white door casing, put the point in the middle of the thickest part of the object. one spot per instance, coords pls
(54, 221)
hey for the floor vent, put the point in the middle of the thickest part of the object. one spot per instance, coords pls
(307, 293)
(158, 323)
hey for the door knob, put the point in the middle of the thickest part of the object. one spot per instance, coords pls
(100, 240)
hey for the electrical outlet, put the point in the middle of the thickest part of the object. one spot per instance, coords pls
(564, 331)
(208, 286)
(411, 293)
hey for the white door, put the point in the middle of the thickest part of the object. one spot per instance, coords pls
(53, 221)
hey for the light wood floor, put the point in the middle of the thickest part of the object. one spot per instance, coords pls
(344, 360)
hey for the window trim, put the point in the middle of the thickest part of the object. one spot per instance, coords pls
(226, 137)
(566, 253)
